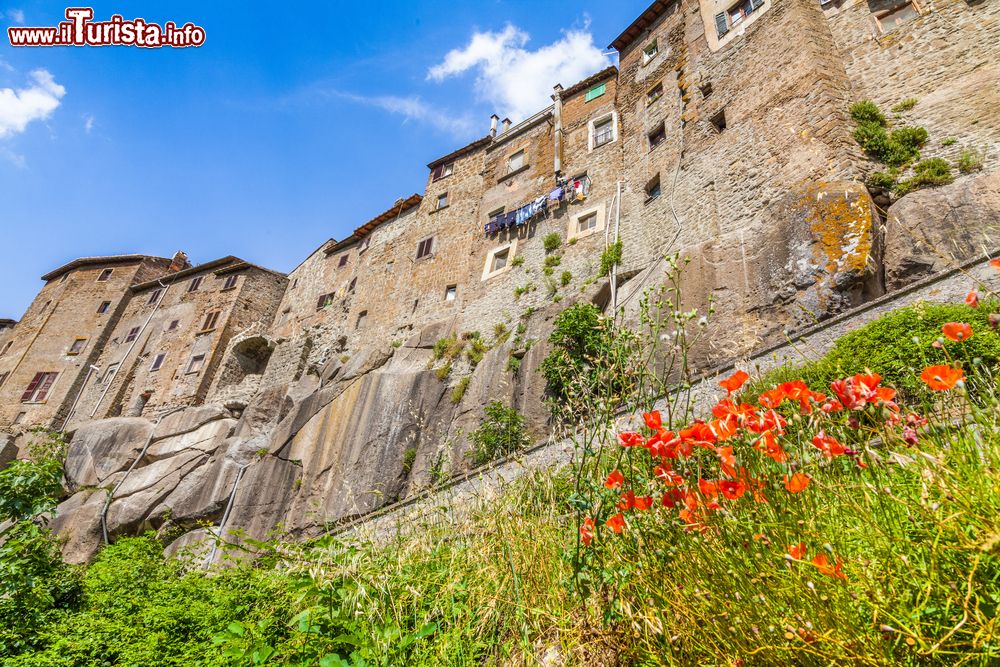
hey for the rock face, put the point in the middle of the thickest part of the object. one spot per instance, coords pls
(940, 228)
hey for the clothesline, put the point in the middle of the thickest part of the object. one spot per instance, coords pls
(566, 190)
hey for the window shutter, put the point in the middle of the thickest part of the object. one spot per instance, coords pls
(46, 384)
(438, 170)
(720, 24)
(26, 396)
(595, 92)
(756, 4)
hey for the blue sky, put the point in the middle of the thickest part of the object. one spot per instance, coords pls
(288, 127)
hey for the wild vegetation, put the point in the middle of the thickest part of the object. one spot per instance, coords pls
(844, 513)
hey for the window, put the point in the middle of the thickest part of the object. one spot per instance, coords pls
(728, 20)
(133, 333)
(64, 277)
(158, 361)
(211, 319)
(351, 285)
(173, 325)
(196, 363)
(230, 282)
(109, 374)
(654, 93)
(442, 201)
(154, 296)
(450, 292)
(595, 92)
(706, 89)
(105, 275)
(896, 16)
(653, 189)
(719, 120)
(515, 162)
(76, 347)
(362, 317)
(6, 347)
(20, 417)
(602, 131)
(649, 52)
(104, 307)
(39, 387)
(367, 241)
(442, 170)
(657, 136)
(3, 378)
(499, 260)
(194, 284)
(342, 262)
(324, 301)
(425, 247)
(388, 266)
(295, 283)
(586, 223)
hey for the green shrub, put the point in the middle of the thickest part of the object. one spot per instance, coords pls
(409, 458)
(905, 105)
(500, 333)
(904, 146)
(565, 278)
(949, 141)
(517, 261)
(513, 364)
(927, 173)
(458, 391)
(552, 241)
(477, 350)
(885, 180)
(611, 256)
(442, 372)
(969, 161)
(895, 149)
(502, 432)
(867, 111)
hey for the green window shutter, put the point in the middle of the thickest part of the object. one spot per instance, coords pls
(720, 24)
(595, 92)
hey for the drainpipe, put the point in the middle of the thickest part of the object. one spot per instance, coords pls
(557, 136)
(90, 371)
(24, 352)
(107, 501)
(614, 267)
(121, 363)
(225, 516)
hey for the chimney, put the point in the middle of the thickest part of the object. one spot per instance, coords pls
(179, 262)
(493, 125)
(505, 125)
(557, 132)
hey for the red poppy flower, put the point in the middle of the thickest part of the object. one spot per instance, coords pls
(734, 381)
(972, 298)
(708, 489)
(642, 503)
(631, 439)
(771, 398)
(957, 331)
(995, 263)
(846, 393)
(614, 480)
(671, 498)
(653, 420)
(797, 551)
(726, 457)
(822, 564)
(941, 378)
(668, 475)
(828, 445)
(723, 429)
(797, 483)
(616, 523)
(587, 531)
(732, 489)
(768, 444)
(833, 405)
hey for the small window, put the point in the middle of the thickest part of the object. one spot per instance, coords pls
(104, 307)
(706, 90)
(211, 319)
(604, 131)
(133, 333)
(721, 25)
(388, 266)
(442, 201)
(196, 363)
(20, 417)
(367, 241)
(653, 189)
(173, 325)
(194, 284)
(230, 282)
(657, 136)
(515, 162)
(425, 247)
(595, 92)
(158, 361)
(6, 347)
(654, 93)
(3, 378)
(719, 121)
(362, 318)
(499, 260)
(105, 275)
(649, 52)
(442, 170)
(351, 285)
(586, 223)
(450, 292)
(154, 296)
(109, 374)
(342, 262)
(39, 387)
(897, 16)
(77, 346)
(324, 301)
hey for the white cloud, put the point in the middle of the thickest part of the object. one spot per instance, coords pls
(16, 16)
(88, 122)
(22, 106)
(516, 80)
(15, 159)
(414, 108)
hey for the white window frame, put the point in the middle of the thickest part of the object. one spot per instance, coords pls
(592, 129)
(510, 159)
(574, 222)
(488, 271)
(878, 16)
(190, 363)
(158, 360)
(650, 51)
